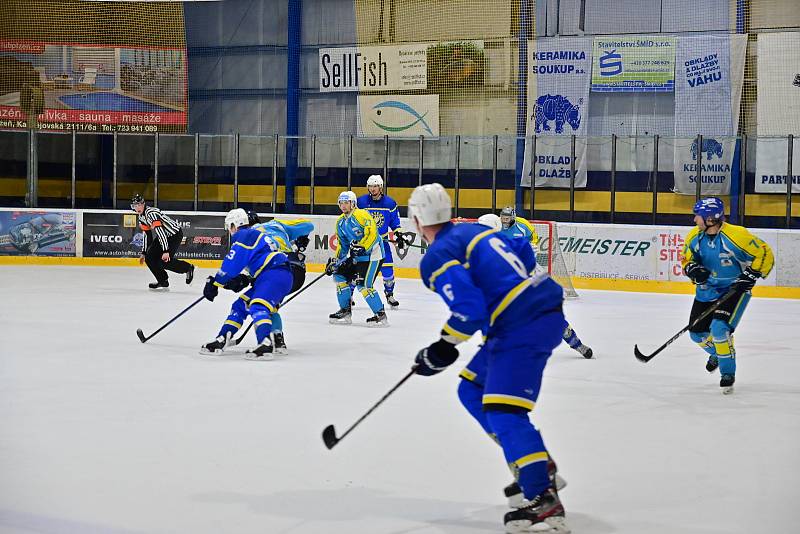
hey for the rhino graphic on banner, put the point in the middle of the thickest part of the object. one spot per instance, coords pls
(711, 148)
(559, 109)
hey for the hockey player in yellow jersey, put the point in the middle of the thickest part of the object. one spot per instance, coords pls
(720, 258)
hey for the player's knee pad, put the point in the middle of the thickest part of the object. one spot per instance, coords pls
(720, 330)
(699, 337)
(506, 422)
(471, 395)
(342, 287)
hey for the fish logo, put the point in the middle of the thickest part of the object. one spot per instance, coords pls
(415, 117)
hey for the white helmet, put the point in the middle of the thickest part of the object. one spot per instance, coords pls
(375, 179)
(348, 196)
(237, 217)
(429, 204)
(491, 220)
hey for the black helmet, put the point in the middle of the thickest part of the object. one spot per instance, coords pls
(137, 199)
(252, 218)
(508, 216)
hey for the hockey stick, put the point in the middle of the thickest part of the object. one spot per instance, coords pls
(406, 244)
(241, 338)
(329, 433)
(711, 309)
(144, 339)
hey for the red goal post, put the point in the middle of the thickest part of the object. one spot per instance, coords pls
(549, 254)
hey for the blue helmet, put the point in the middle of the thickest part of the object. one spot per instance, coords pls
(709, 208)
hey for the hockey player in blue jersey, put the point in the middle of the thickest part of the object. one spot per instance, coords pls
(720, 257)
(485, 280)
(255, 256)
(518, 228)
(291, 236)
(384, 210)
(357, 258)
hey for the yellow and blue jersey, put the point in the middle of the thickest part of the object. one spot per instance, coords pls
(358, 227)
(384, 211)
(522, 229)
(284, 231)
(483, 276)
(726, 255)
(251, 250)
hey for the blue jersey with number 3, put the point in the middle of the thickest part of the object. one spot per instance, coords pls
(253, 250)
(483, 276)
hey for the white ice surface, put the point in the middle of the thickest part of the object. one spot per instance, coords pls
(101, 434)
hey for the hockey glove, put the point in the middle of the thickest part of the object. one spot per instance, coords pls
(237, 283)
(357, 250)
(331, 266)
(401, 240)
(302, 242)
(697, 273)
(435, 358)
(746, 280)
(210, 290)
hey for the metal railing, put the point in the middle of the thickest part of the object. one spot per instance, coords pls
(614, 165)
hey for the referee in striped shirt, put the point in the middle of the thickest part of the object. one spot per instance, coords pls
(162, 237)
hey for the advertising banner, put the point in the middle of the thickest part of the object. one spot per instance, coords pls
(37, 233)
(558, 104)
(772, 164)
(778, 83)
(778, 111)
(92, 88)
(398, 115)
(708, 93)
(373, 68)
(637, 63)
(117, 235)
(637, 252)
(415, 66)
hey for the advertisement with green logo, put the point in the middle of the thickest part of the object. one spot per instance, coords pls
(639, 64)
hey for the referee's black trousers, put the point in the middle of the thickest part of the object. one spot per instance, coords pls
(157, 266)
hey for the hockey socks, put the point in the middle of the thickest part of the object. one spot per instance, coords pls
(372, 298)
(523, 449)
(343, 294)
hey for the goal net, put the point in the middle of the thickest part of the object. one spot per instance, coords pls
(549, 254)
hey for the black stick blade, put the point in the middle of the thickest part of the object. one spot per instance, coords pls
(641, 357)
(329, 437)
(141, 335)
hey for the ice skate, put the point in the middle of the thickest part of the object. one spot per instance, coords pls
(712, 364)
(159, 286)
(726, 383)
(343, 316)
(513, 491)
(190, 275)
(585, 350)
(544, 513)
(379, 319)
(217, 346)
(279, 344)
(391, 300)
(263, 352)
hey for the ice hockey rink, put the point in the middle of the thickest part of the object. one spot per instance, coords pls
(102, 434)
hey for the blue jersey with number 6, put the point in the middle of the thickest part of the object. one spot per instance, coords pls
(253, 250)
(483, 276)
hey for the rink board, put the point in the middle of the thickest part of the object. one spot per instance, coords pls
(598, 256)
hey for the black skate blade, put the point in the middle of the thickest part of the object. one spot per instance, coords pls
(140, 334)
(641, 357)
(329, 437)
